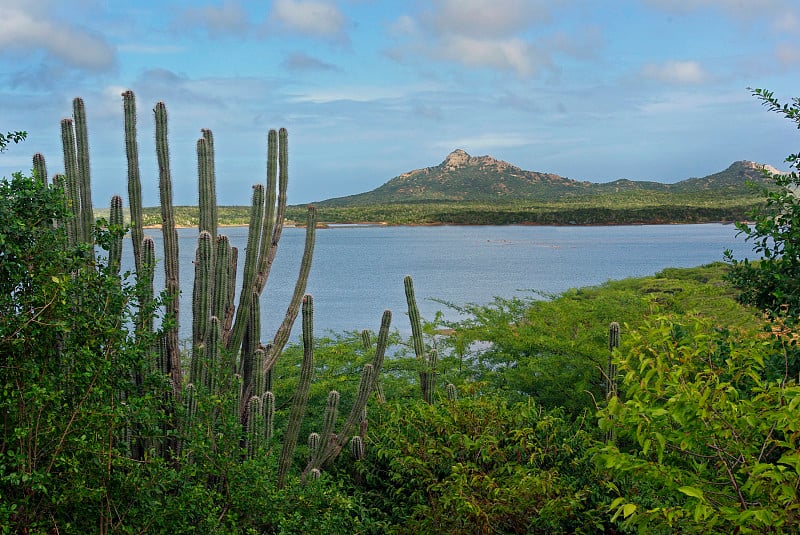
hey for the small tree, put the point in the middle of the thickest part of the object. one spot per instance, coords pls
(773, 284)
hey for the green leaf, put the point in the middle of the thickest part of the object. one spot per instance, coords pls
(694, 492)
(628, 509)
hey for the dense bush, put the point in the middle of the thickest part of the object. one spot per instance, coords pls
(708, 428)
(480, 465)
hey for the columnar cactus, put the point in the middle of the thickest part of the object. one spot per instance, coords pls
(427, 361)
(134, 179)
(115, 219)
(170, 235)
(71, 183)
(40, 168)
(207, 179)
(227, 357)
(611, 368)
(301, 393)
(201, 297)
(357, 447)
(452, 392)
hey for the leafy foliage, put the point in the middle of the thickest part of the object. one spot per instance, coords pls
(773, 283)
(707, 429)
(67, 401)
(479, 465)
(11, 137)
(554, 350)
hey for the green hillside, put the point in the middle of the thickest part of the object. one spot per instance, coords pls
(467, 190)
(482, 190)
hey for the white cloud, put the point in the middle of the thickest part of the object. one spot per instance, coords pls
(493, 34)
(28, 27)
(788, 22)
(676, 72)
(316, 18)
(487, 18)
(227, 18)
(299, 61)
(502, 54)
(787, 53)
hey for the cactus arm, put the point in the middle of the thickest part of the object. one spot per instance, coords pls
(82, 155)
(427, 363)
(71, 183)
(40, 168)
(270, 221)
(134, 178)
(115, 220)
(171, 272)
(248, 276)
(285, 329)
(301, 393)
(206, 179)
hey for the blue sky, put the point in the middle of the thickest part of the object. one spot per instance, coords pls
(588, 89)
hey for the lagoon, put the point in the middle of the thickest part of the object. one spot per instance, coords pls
(358, 270)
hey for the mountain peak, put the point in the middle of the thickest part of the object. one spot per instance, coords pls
(747, 164)
(457, 158)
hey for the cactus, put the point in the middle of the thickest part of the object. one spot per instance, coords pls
(357, 447)
(134, 179)
(333, 442)
(255, 426)
(452, 392)
(171, 272)
(115, 220)
(610, 382)
(83, 176)
(301, 393)
(201, 301)
(234, 340)
(314, 442)
(206, 176)
(611, 368)
(40, 168)
(268, 402)
(329, 419)
(225, 334)
(427, 362)
(71, 184)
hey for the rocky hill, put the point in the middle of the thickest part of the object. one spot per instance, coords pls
(464, 178)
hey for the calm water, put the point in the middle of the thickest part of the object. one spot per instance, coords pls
(358, 271)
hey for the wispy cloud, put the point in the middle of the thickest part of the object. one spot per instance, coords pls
(300, 61)
(27, 26)
(676, 72)
(310, 17)
(788, 54)
(501, 35)
(228, 18)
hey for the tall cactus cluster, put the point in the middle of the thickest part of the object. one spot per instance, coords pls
(227, 359)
